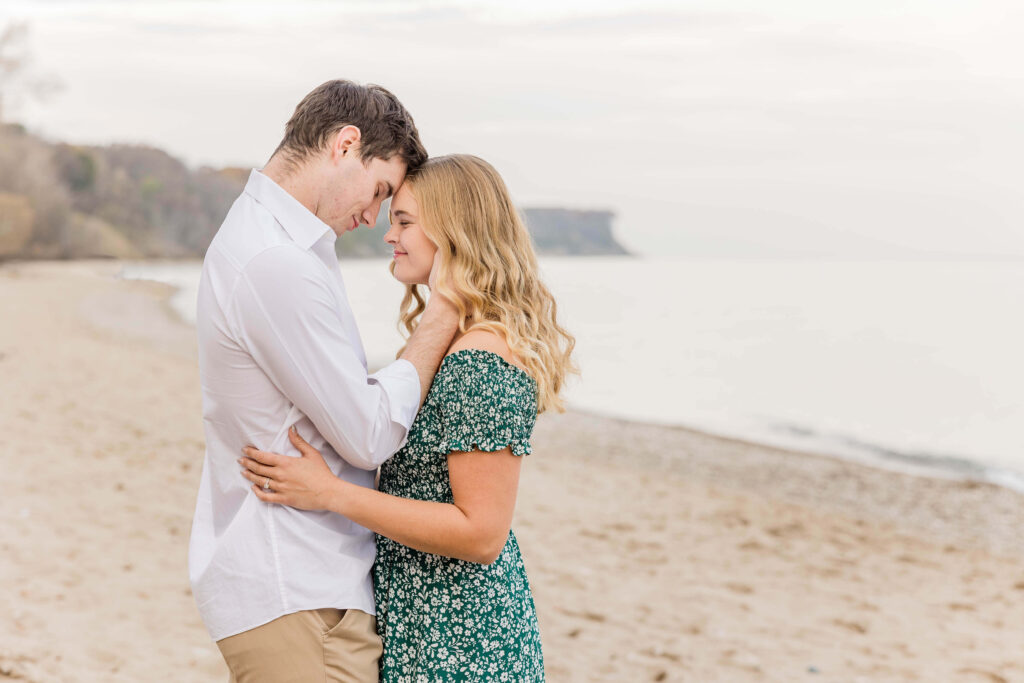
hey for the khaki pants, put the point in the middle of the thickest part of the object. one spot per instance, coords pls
(314, 646)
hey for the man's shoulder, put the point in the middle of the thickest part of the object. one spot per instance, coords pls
(252, 247)
(251, 238)
(250, 226)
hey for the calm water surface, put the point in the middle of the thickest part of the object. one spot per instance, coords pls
(914, 364)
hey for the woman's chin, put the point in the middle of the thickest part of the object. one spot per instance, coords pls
(407, 279)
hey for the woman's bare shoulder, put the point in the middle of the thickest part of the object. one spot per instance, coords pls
(485, 340)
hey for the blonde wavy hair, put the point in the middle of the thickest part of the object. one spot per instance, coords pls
(488, 268)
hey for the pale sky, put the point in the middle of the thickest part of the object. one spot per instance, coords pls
(725, 129)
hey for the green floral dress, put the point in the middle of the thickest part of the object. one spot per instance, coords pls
(444, 619)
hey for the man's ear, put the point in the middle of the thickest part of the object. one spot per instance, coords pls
(346, 141)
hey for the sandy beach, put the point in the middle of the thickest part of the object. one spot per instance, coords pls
(655, 554)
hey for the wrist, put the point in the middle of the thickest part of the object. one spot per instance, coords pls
(442, 309)
(337, 496)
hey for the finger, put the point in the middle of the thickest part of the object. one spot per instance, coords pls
(263, 457)
(258, 479)
(435, 266)
(300, 443)
(268, 496)
(256, 468)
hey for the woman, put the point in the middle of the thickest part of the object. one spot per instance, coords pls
(453, 601)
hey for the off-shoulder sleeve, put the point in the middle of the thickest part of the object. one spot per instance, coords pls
(485, 404)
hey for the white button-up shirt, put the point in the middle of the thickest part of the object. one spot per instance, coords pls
(278, 346)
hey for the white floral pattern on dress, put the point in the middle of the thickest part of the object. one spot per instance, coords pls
(444, 619)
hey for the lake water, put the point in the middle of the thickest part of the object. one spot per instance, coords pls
(909, 364)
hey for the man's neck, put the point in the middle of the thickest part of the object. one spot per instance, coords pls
(293, 179)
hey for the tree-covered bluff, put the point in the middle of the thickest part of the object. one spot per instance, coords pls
(61, 201)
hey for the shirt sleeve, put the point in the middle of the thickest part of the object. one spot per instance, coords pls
(289, 320)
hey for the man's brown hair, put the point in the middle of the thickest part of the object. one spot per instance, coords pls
(385, 125)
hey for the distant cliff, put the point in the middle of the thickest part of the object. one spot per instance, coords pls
(61, 201)
(555, 232)
(572, 233)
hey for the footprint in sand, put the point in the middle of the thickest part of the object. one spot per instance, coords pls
(853, 626)
(961, 607)
(784, 530)
(981, 674)
(741, 660)
(751, 545)
(589, 616)
(860, 603)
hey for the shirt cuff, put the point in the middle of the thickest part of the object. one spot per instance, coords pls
(401, 384)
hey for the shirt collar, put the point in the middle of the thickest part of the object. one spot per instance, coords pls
(300, 223)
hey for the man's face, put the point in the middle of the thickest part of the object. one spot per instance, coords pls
(355, 190)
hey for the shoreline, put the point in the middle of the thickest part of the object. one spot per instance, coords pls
(654, 553)
(929, 466)
(965, 474)
(849, 449)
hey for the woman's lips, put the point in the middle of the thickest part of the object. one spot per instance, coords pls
(399, 253)
(355, 223)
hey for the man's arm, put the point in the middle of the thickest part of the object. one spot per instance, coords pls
(286, 315)
(430, 341)
(473, 527)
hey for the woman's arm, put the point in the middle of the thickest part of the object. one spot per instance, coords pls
(473, 528)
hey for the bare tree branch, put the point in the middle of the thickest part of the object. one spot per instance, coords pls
(18, 81)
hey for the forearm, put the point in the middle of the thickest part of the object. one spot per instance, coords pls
(431, 340)
(437, 528)
(285, 314)
(474, 527)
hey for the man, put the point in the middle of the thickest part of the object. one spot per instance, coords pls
(287, 593)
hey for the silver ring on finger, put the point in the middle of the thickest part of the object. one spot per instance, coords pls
(266, 484)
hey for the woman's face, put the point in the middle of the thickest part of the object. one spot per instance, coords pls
(414, 252)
